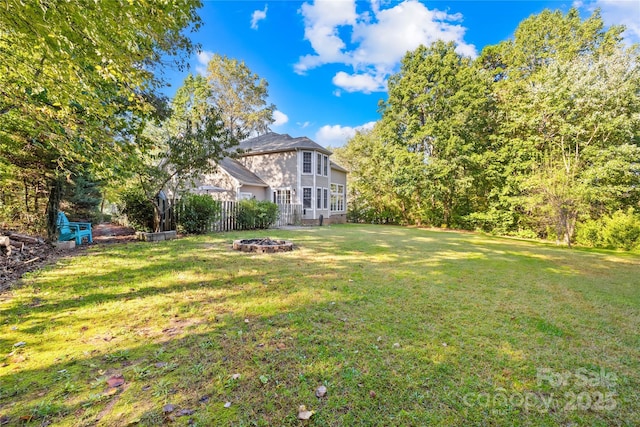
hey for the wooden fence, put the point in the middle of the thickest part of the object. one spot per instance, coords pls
(288, 214)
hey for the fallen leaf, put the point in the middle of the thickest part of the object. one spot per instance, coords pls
(168, 408)
(444, 344)
(26, 418)
(183, 412)
(20, 344)
(161, 364)
(303, 414)
(203, 399)
(372, 393)
(111, 391)
(115, 381)
(396, 345)
(246, 320)
(227, 405)
(321, 391)
(236, 376)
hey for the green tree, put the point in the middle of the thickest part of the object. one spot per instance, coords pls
(187, 144)
(240, 96)
(77, 81)
(438, 107)
(568, 112)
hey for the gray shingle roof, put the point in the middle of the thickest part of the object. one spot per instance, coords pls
(274, 142)
(241, 173)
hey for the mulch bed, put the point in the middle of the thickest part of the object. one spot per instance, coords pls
(36, 255)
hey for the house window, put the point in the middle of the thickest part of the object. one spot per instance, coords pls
(326, 166)
(306, 197)
(319, 164)
(282, 197)
(337, 197)
(306, 162)
(319, 198)
(325, 198)
(246, 196)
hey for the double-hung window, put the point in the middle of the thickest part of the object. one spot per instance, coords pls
(306, 197)
(306, 162)
(319, 198)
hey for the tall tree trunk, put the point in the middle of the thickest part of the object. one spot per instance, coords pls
(53, 205)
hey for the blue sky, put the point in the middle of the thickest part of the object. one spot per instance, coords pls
(327, 61)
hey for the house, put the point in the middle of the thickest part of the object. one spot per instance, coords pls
(284, 170)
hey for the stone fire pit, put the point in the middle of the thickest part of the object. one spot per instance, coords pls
(262, 245)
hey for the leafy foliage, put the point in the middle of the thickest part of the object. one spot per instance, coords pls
(618, 231)
(134, 204)
(78, 82)
(186, 145)
(253, 214)
(196, 212)
(535, 137)
(240, 95)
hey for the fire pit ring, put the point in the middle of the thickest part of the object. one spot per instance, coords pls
(262, 245)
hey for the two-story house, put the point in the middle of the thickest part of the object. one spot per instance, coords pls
(285, 170)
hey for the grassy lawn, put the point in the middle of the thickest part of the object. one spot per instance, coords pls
(403, 326)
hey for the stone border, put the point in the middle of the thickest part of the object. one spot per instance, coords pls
(157, 237)
(282, 246)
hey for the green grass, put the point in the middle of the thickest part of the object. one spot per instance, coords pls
(403, 326)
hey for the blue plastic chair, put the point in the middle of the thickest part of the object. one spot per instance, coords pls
(73, 230)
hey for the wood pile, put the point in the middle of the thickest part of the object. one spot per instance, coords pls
(19, 254)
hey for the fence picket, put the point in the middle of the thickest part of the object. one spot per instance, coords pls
(289, 214)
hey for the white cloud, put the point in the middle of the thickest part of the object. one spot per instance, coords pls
(303, 125)
(618, 12)
(321, 23)
(362, 82)
(203, 58)
(378, 39)
(280, 118)
(337, 135)
(257, 16)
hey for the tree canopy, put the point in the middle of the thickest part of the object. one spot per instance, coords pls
(78, 80)
(536, 136)
(240, 96)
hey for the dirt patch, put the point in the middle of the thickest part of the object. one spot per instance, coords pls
(38, 254)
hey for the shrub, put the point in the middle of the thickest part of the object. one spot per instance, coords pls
(253, 214)
(618, 231)
(622, 230)
(589, 233)
(196, 212)
(139, 211)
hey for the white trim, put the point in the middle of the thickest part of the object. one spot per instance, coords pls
(325, 199)
(310, 197)
(302, 172)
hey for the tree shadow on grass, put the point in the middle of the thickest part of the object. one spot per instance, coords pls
(330, 313)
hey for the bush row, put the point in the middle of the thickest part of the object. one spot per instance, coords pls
(196, 212)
